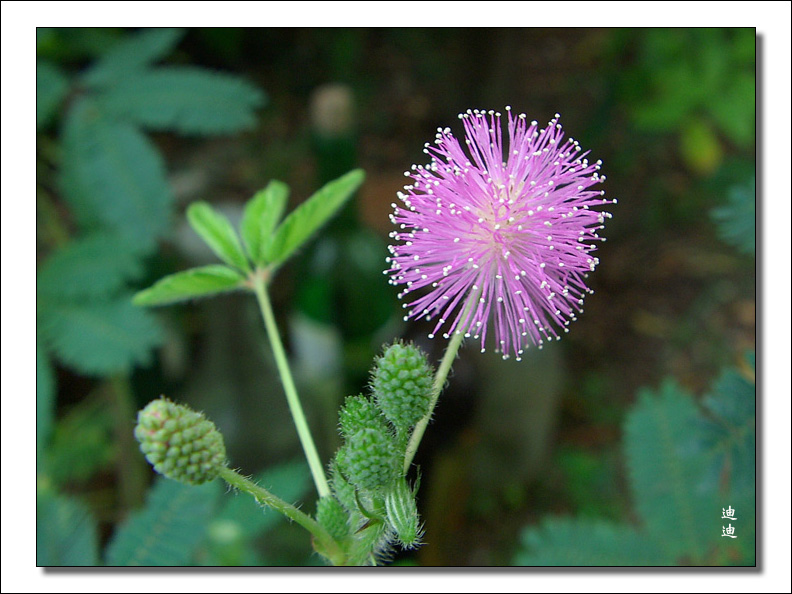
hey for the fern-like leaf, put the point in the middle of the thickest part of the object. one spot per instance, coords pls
(167, 531)
(132, 54)
(99, 338)
(113, 177)
(65, 533)
(562, 542)
(182, 99)
(91, 267)
(677, 507)
(736, 220)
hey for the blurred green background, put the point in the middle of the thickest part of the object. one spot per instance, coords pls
(671, 112)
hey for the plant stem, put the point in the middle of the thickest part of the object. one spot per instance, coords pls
(317, 470)
(327, 544)
(440, 378)
(437, 387)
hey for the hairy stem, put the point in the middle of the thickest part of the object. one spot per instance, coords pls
(326, 543)
(440, 378)
(437, 387)
(315, 464)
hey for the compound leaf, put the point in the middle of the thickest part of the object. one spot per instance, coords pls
(218, 233)
(99, 338)
(167, 531)
(183, 99)
(262, 213)
(195, 282)
(736, 220)
(65, 533)
(91, 267)
(666, 474)
(113, 177)
(132, 54)
(562, 542)
(306, 219)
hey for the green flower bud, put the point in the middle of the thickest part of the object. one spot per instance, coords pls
(403, 514)
(369, 459)
(331, 514)
(180, 443)
(342, 489)
(360, 412)
(402, 384)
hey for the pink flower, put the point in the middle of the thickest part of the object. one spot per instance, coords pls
(500, 235)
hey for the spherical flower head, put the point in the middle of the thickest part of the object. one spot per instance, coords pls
(499, 235)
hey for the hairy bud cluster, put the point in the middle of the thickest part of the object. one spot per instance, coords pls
(180, 443)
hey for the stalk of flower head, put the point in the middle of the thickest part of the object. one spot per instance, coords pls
(293, 400)
(497, 238)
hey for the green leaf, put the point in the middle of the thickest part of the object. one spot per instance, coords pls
(187, 100)
(736, 220)
(65, 533)
(262, 213)
(306, 219)
(132, 54)
(679, 508)
(561, 542)
(51, 87)
(168, 530)
(216, 230)
(45, 399)
(113, 177)
(196, 282)
(734, 108)
(91, 267)
(728, 432)
(727, 436)
(99, 338)
(83, 442)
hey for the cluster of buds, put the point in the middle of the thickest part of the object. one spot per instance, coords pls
(368, 478)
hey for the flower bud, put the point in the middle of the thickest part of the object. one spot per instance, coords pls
(333, 517)
(360, 412)
(369, 459)
(343, 490)
(180, 443)
(402, 384)
(403, 514)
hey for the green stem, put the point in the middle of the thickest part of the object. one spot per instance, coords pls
(317, 470)
(440, 378)
(437, 387)
(326, 543)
